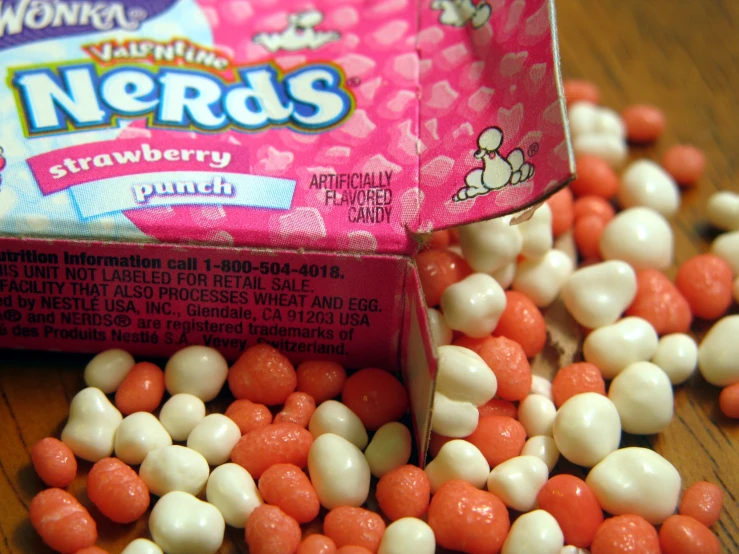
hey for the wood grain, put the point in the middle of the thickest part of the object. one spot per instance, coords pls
(682, 56)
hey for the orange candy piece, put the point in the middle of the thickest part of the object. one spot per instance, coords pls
(321, 379)
(659, 302)
(563, 214)
(705, 281)
(404, 492)
(54, 462)
(499, 438)
(62, 522)
(353, 549)
(269, 530)
(286, 486)
(573, 504)
(347, 525)
(728, 401)
(626, 534)
(467, 519)
(522, 322)
(439, 239)
(142, 390)
(579, 90)
(263, 375)
(117, 490)
(498, 406)
(248, 415)
(702, 501)
(298, 409)
(594, 176)
(685, 535)
(575, 379)
(317, 544)
(437, 269)
(376, 396)
(644, 123)
(587, 233)
(685, 163)
(279, 443)
(508, 361)
(593, 205)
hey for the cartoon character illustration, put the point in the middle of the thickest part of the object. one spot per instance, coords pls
(457, 13)
(497, 171)
(300, 33)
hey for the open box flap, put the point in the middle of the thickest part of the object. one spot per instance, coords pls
(493, 134)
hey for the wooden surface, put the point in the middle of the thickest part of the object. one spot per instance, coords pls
(682, 56)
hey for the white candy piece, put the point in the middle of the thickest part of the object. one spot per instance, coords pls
(233, 491)
(214, 437)
(174, 468)
(537, 233)
(642, 394)
(107, 370)
(389, 448)
(570, 549)
(453, 418)
(583, 118)
(137, 435)
(677, 356)
(587, 428)
(517, 481)
(541, 385)
(339, 472)
(636, 481)
(536, 413)
(182, 524)
(718, 353)
(608, 121)
(180, 414)
(611, 148)
(463, 375)
(535, 531)
(142, 546)
(645, 183)
(616, 346)
(566, 243)
(458, 459)
(544, 448)
(505, 275)
(489, 245)
(541, 280)
(334, 417)
(473, 305)
(441, 334)
(406, 535)
(726, 247)
(722, 210)
(92, 425)
(197, 370)
(640, 237)
(597, 295)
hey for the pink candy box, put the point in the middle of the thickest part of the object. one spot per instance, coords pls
(230, 172)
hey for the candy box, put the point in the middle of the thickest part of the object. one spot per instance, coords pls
(231, 172)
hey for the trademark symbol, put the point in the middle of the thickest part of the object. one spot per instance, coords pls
(354, 81)
(533, 150)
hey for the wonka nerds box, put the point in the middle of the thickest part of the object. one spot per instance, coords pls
(230, 172)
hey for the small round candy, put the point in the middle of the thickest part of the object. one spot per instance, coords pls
(574, 505)
(269, 530)
(593, 205)
(685, 163)
(439, 239)
(705, 281)
(587, 233)
(404, 492)
(274, 444)
(347, 525)
(685, 535)
(286, 486)
(54, 462)
(522, 322)
(702, 501)
(437, 269)
(317, 544)
(298, 409)
(62, 522)
(729, 401)
(579, 90)
(467, 519)
(117, 491)
(561, 205)
(142, 390)
(197, 370)
(659, 302)
(263, 375)
(376, 396)
(575, 379)
(498, 406)
(626, 534)
(180, 414)
(644, 123)
(499, 438)
(248, 415)
(107, 370)
(321, 379)
(594, 176)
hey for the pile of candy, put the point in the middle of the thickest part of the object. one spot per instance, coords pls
(498, 430)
